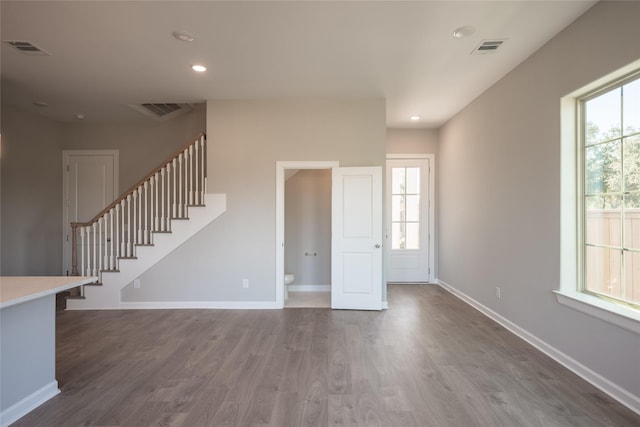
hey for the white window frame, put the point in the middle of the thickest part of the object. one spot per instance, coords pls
(571, 290)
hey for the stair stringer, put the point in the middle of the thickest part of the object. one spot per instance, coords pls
(108, 296)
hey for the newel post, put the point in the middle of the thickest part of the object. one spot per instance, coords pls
(74, 249)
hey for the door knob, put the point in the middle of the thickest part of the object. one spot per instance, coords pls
(377, 246)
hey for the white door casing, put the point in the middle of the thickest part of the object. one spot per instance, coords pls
(356, 245)
(90, 183)
(414, 262)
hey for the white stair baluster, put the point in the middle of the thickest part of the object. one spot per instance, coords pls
(83, 271)
(123, 240)
(197, 200)
(147, 239)
(116, 243)
(180, 178)
(175, 194)
(162, 202)
(92, 246)
(156, 225)
(134, 230)
(129, 245)
(99, 241)
(151, 204)
(111, 247)
(130, 229)
(138, 194)
(203, 157)
(89, 250)
(204, 167)
(186, 181)
(167, 218)
(191, 176)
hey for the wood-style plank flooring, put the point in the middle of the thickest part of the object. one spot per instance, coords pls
(430, 360)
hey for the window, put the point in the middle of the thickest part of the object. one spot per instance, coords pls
(610, 182)
(405, 208)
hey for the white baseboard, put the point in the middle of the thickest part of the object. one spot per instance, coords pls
(28, 404)
(618, 393)
(221, 305)
(309, 288)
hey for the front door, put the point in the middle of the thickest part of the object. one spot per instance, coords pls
(90, 183)
(408, 220)
(356, 253)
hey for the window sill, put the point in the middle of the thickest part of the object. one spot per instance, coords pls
(618, 315)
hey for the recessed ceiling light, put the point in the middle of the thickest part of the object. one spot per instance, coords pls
(40, 104)
(462, 32)
(415, 118)
(80, 116)
(183, 36)
(199, 68)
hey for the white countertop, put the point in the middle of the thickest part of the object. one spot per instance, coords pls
(18, 289)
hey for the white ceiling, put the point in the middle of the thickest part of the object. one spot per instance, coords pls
(106, 55)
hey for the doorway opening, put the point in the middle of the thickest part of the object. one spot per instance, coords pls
(303, 233)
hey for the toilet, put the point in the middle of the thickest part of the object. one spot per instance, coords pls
(289, 278)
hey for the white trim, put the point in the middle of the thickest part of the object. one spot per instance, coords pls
(309, 288)
(432, 207)
(19, 409)
(616, 314)
(66, 246)
(409, 156)
(218, 305)
(385, 305)
(618, 393)
(280, 171)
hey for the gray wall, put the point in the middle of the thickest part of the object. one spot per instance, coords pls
(246, 138)
(499, 196)
(412, 141)
(143, 146)
(31, 176)
(307, 216)
(31, 168)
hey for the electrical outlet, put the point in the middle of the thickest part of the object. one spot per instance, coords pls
(136, 284)
(245, 283)
(498, 292)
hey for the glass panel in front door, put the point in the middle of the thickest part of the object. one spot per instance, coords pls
(405, 208)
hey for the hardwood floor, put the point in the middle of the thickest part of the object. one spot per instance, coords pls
(430, 360)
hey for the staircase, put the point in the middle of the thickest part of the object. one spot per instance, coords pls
(143, 226)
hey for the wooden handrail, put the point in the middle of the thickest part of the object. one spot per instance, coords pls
(124, 195)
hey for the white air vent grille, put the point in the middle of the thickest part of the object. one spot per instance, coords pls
(488, 46)
(163, 110)
(27, 47)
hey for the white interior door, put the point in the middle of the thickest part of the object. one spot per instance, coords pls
(356, 253)
(90, 182)
(408, 222)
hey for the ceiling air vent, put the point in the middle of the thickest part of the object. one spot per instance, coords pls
(488, 46)
(27, 47)
(163, 110)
